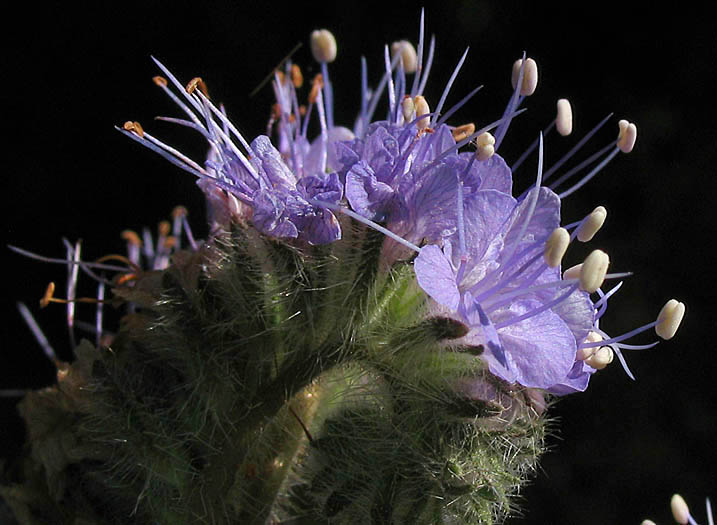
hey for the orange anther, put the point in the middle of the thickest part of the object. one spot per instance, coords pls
(131, 237)
(317, 84)
(197, 82)
(297, 78)
(282, 78)
(122, 279)
(164, 228)
(48, 297)
(275, 111)
(462, 132)
(170, 242)
(302, 110)
(179, 211)
(133, 127)
(160, 81)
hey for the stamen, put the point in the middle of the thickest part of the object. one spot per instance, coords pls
(408, 109)
(627, 136)
(530, 76)
(669, 319)
(564, 120)
(591, 224)
(593, 271)
(485, 143)
(584, 353)
(297, 78)
(556, 246)
(133, 127)
(679, 508)
(600, 358)
(422, 108)
(160, 81)
(323, 45)
(408, 55)
(195, 83)
(573, 272)
(461, 132)
(47, 298)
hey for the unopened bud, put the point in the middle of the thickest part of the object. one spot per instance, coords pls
(592, 223)
(408, 55)
(669, 319)
(627, 136)
(323, 45)
(556, 246)
(680, 511)
(421, 109)
(564, 120)
(593, 271)
(485, 142)
(530, 76)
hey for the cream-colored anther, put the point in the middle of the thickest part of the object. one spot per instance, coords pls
(556, 246)
(564, 120)
(669, 319)
(593, 272)
(586, 353)
(408, 109)
(485, 142)
(679, 508)
(408, 55)
(602, 357)
(573, 272)
(627, 136)
(648, 522)
(591, 224)
(462, 132)
(530, 76)
(422, 108)
(323, 45)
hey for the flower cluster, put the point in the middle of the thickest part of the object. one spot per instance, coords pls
(486, 257)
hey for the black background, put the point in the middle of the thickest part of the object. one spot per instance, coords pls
(623, 447)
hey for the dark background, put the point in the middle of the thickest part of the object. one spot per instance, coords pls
(623, 447)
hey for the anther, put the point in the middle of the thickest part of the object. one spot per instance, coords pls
(587, 352)
(131, 237)
(462, 132)
(47, 298)
(133, 127)
(679, 508)
(648, 522)
(421, 109)
(160, 81)
(323, 45)
(408, 55)
(593, 271)
(669, 319)
(316, 86)
(297, 78)
(627, 136)
(195, 83)
(179, 211)
(564, 120)
(485, 142)
(592, 223)
(408, 109)
(164, 228)
(530, 76)
(573, 272)
(600, 358)
(556, 246)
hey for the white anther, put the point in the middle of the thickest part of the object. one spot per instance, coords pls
(627, 136)
(485, 143)
(556, 246)
(573, 272)
(323, 45)
(408, 109)
(408, 55)
(591, 224)
(602, 357)
(669, 319)
(421, 109)
(648, 522)
(680, 511)
(530, 76)
(564, 120)
(586, 353)
(593, 272)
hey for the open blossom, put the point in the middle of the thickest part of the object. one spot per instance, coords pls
(486, 257)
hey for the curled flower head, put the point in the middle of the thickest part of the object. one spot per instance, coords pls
(485, 257)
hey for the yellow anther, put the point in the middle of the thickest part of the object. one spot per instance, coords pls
(669, 319)
(556, 246)
(323, 45)
(133, 127)
(591, 224)
(408, 55)
(422, 108)
(485, 144)
(195, 83)
(627, 136)
(530, 76)
(297, 78)
(463, 132)
(564, 120)
(593, 271)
